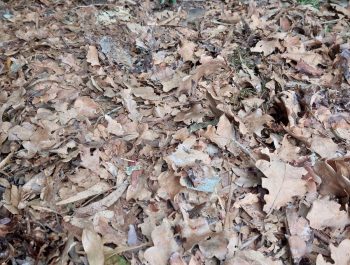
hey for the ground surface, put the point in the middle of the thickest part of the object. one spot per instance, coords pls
(201, 132)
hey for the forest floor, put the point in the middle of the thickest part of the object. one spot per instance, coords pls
(195, 132)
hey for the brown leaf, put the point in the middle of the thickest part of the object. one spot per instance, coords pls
(254, 122)
(287, 151)
(310, 58)
(334, 180)
(130, 104)
(114, 127)
(176, 259)
(266, 46)
(186, 156)
(308, 69)
(189, 83)
(216, 246)
(98, 188)
(285, 23)
(222, 136)
(86, 107)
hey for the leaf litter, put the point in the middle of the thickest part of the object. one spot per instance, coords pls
(196, 132)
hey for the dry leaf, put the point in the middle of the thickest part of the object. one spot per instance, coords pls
(86, 107)
(90, 161)
(288, 152)
(164, 245)
(216, 246)
(114, 127)
(325, 147)
(254, 122)
(326, 213)
(130, 104)
(266, 46)
(92, 56)
(189, 83)
(340, 255)
(98, 188)
(335, 176)
(186, 50)
(104, 203)
(223, 135)
(283, 182)
(308, 69)
(93, 247)
(185, 155)
(248, 257)
(300, 238)
(176, 259)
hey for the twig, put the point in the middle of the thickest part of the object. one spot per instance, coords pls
(122, 249)
(330, 21)
(249, 241)
(228, 205)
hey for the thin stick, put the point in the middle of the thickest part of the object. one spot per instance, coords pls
(228, 206)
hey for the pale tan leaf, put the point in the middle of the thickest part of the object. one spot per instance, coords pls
(283, 182)
(93, 247)
(104, 203)
(94, 190)
(164, 245)
(222, 136)
(340, 255)
(92, 56)
(186, 50)
(326, 213)
(114, 127)
(266, 46)
(324, 147)
(87, 107)
(248, 257)
(300, 234)
(90, 161)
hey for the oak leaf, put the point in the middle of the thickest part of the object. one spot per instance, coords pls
(283, 182)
